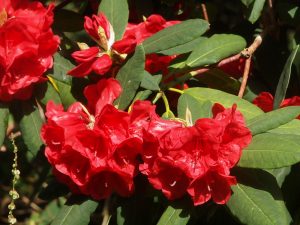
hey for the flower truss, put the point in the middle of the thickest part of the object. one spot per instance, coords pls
(33, 47)
(96, 149)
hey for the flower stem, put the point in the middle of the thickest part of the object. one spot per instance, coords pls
(166, 102)
(176, 90)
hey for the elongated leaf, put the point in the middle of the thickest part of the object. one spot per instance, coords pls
(60, 69)
(65, 93)
(30, 126)
(273, 119)
(151, 82)
(184, 48)
(75, 213)
(284, 79)
(227, 100)
(216, 48)
(179, 34)
(142, 95)
(130, 77)
(4, 113)
(198, 109)
(174, 216)
(257, 199)
(117, 13)
(255, 10)
(292, 127)
(45, 92)
(269, 151)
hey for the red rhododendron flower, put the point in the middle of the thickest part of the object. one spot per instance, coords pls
(100, 59)
(197, 159)
(265, 101)
(94, 148)
(26, 38)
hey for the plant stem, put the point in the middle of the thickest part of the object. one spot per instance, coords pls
(245, 77)
(176, 90)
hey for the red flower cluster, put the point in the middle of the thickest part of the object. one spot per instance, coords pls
(265, 101)
(26, 38)
(99, 59)
(197, 159)
(98, 150)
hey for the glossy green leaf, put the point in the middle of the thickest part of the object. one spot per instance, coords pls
(60, 69)
(184, 48)
(45, 92)
(284, 80)
(65, 93)
(269, 151)
(218, 79)
(4, 114)
(151, 82)
(179, 34)
(216, 48)
(130, 77)
(142, 95)
(227, 100)
(292, 127)
(30, 126)
(174, 216)
(255, 8)
(257, 199)
(273, 119)
(117, 13)
(198, 109)
(75, 213)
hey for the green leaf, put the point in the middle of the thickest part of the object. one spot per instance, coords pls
(292, 127)
(151, 82)
(30, 126)
(257, 200)
(4, 114)
(216, 48)
(269, 151)
(48, 214)
(60, 69)
(273, 119)
(142, 95)
(65, 93)
(117, 13)
(284, 80)
(75, 213)
(198, 109)
(174, 216)
(227, 100)
(184, 48)
(130, 77)
(218, 79)
(45, 92)
(256, 8)
(178, 34)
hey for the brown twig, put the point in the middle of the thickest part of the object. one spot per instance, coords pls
(245, 77)
(248, 52)
(270, 3)
(204, 11)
